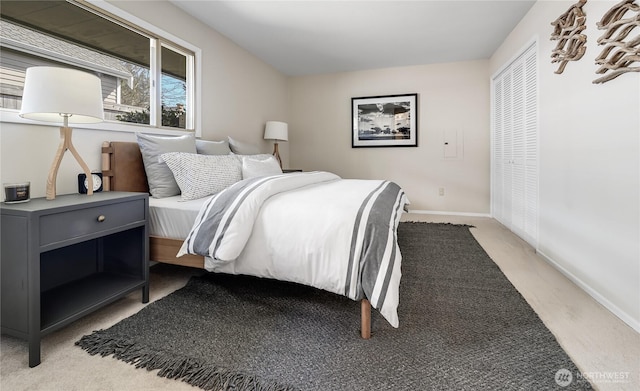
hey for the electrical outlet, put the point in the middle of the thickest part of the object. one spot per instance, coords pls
(441, 191)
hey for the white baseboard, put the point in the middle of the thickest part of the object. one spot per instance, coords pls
(437, 212)
(626, 318)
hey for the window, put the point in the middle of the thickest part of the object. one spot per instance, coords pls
(146, 79)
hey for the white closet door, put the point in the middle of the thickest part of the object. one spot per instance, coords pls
(514, 159)
(531, 148)
(497, 157)
(517, 148)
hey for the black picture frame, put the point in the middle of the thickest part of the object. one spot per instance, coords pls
(384, 121)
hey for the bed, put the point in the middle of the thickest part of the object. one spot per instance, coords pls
(269, 233)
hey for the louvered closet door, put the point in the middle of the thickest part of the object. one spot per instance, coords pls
(514, 159)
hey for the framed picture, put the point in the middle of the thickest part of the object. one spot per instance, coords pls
(384, 121)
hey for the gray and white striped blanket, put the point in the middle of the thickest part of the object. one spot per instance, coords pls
(312, 228)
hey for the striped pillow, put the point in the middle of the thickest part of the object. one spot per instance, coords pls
(202, 175)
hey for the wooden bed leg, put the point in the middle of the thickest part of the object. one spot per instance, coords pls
(365, 319)
(106, 166)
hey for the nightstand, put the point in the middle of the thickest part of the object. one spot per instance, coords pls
(62, 259)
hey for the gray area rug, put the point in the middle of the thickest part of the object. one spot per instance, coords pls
(463, 326)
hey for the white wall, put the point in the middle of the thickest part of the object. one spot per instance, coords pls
(239, 94)
(451, 96)
(589, 195)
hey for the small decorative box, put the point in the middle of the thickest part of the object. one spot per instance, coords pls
(16, 192)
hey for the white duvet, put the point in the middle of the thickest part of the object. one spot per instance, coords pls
(310, 228)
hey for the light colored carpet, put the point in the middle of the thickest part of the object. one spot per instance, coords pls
(597, 341)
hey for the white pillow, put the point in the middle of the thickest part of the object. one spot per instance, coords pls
(161, 180)
(203, 175)
(242, 148)
(255, 167)
(260, 156)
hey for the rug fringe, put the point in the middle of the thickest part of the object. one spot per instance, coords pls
(174, 367)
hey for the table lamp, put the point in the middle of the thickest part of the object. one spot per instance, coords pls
(277, 131)
(53, 94)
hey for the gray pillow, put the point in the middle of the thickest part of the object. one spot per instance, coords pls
(205, 147)
(242, 148)
(161, 181)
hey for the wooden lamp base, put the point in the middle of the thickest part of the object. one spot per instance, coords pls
(276, 153)
(66, 144)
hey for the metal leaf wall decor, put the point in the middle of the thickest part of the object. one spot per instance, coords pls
(622, 49)
(568, 32)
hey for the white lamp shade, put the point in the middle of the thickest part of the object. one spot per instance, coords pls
(276, 130)
(50, 93)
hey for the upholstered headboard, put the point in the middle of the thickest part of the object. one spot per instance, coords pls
(122, 167)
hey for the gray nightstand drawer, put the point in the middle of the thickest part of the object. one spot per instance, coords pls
(72, 224)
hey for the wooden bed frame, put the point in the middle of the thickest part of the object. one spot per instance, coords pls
(123, 170)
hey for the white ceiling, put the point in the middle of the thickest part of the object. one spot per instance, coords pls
(306, 37)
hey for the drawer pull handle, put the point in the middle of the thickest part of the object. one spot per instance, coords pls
(101, 218)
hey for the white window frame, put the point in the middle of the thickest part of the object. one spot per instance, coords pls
(166, 39)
